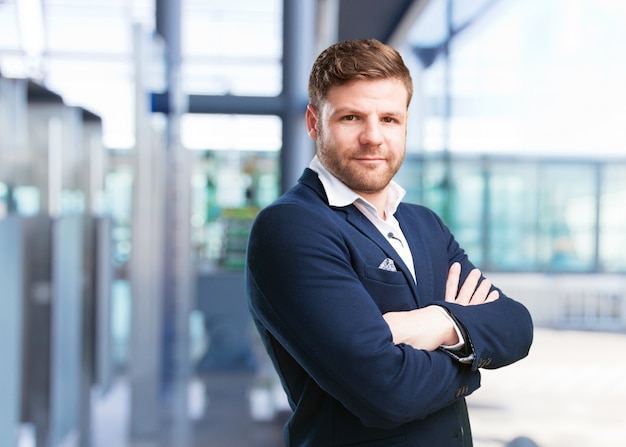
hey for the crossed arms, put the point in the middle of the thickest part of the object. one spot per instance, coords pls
(429, 328)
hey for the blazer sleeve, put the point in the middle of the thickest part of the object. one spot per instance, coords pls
(497, 333)
(305, 290)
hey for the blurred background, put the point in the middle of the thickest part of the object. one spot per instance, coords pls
(138, 140)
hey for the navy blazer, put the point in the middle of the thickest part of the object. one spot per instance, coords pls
(317, 296)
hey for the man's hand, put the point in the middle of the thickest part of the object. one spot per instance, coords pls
(429, 328)
(469, 294)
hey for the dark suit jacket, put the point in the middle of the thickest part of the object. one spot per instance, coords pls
(317, 296)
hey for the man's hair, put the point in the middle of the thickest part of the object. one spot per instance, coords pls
(356, 59)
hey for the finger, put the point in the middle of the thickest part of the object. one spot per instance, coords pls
(452, 283)
(481, 292)
(494, 295)
(468, 287)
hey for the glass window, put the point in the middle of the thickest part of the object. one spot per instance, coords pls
(234, 49)
(435, 185)
(567, 217)
(411, 178)
(454, 189)
(4, 200)
(613, 219)
(464, 211)
(512, 215)
(119, 195)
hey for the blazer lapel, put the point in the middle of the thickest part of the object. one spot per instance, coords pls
(363, 224)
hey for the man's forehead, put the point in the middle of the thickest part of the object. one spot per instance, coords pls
(387, 91)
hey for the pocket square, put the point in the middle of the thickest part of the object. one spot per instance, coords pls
(388, 265)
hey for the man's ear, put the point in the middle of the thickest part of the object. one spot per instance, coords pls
(311, 122)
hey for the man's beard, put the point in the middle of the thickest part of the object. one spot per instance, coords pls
(357, 177)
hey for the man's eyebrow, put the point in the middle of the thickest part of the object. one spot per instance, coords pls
(345, 111)
(353, 111)
(394, 113)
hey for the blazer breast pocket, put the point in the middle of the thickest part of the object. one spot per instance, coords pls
(389, 290)
(386, 276)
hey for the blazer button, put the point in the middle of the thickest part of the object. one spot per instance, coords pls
(484, 362)
(461, 391)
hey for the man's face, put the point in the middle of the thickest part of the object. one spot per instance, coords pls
(360, 131)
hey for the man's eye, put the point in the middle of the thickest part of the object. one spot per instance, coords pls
(349, 118)
(389, 120)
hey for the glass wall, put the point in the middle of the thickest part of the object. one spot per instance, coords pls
(566, 223)
(526, 214)
(512, 215)
(612, 225)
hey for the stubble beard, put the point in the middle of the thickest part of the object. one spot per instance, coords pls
(361, 179)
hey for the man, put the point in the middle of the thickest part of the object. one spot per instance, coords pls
(373, 316)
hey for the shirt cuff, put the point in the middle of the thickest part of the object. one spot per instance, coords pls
(459, 334)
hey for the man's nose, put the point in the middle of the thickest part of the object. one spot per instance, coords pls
(372, 133)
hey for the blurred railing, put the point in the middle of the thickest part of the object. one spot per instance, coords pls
(578, 302)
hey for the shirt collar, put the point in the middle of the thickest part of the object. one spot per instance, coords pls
(340, 195)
